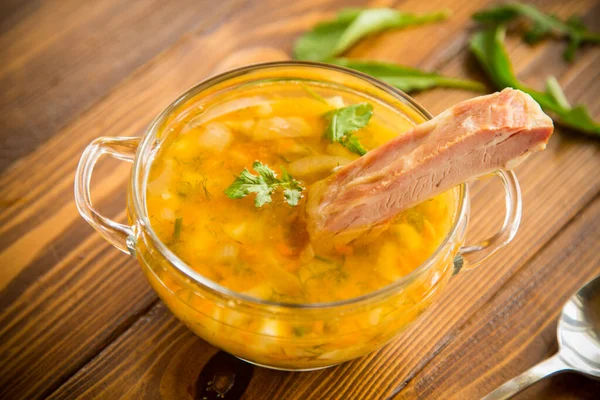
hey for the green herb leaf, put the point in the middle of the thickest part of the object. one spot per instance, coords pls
(247, 183)
(344, 121)
(177, 229)
(265, 172)
(332, 38)
(488, 47)
(354, 145)
(300, 331)
(292, 196)
(184, 188)
(405, 78)
(264, 185)
(347, 120)
(543, 25)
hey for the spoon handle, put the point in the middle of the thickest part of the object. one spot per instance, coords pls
(546, 368)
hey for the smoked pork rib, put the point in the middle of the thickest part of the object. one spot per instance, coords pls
(473, 138)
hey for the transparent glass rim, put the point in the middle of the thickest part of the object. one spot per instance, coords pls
(142, 220)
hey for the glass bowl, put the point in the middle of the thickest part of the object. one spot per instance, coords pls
(273, 334)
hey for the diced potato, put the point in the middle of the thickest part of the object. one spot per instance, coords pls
(336, 149)
(185, 147)
(203, 242)
(408, 236)
(167, 214)
(272, 328)
(375, 316)
(387, 262)
(264, 110)
(188, 177)
(261, 291)
(336, 101)
(227, 252)
(234, 318)
(282, 280)
(291, 148)
(281, 127)
(236, 231)
(239, 157)
(316, 165)
(216, 137)
(245, 126)
(307, 254)
(160, 183)
(227, 107)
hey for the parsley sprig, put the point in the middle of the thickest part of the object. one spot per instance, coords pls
(264, 184)
(344, 121)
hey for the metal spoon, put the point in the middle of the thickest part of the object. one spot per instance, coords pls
(578, 340)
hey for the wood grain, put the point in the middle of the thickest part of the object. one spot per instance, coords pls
(64, 56)
(66, 295)
(157, 348)
(47, 248)
(528, 303)
(517, 327)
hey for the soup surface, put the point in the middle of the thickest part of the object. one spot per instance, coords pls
(264, 251)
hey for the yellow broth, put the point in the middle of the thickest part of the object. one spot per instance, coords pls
(265, 252)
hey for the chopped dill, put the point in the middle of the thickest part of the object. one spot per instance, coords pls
(284, 158)
(325, 260)
(205, 189)
(313, 94)
(177, 229)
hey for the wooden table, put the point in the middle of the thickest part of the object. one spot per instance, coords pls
(78, 318)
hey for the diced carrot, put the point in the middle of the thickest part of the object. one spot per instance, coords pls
(293, 266)
(344, 249)
(318, 327)
(284, 249)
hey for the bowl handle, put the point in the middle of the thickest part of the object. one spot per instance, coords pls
(119, 235)
(473, 255)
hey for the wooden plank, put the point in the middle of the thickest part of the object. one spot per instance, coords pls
(517, 328)
(147, 352)
(559, 178)
(517, 325)
(61, 57)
